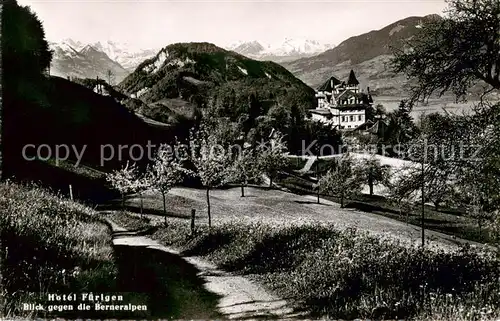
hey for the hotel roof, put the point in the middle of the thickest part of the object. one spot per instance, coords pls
(327, 85)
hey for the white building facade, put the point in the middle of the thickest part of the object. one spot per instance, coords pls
(341, 104)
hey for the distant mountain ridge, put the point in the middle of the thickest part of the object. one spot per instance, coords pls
(124, 55)
(83, 62)
(368, 54)
(129, 58)
(288, 49)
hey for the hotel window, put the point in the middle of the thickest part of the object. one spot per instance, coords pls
(343, 118)
(351, 118)
(360, 117)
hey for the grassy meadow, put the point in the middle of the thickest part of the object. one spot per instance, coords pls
(450, 221)
(344, 273)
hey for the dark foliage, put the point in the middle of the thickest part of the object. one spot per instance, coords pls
(454, 53)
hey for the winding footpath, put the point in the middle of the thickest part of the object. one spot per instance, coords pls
(238, 297)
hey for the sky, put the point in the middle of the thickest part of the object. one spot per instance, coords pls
(147, 24)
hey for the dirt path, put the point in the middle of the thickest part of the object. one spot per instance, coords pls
(238, 297)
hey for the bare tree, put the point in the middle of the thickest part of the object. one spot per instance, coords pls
(211, 160)
(110, 76)
(165, 173)
(343, 181)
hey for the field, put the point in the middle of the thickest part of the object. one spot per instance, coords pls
(450, 221)
(278, 208)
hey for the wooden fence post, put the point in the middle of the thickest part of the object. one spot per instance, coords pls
(193, 214)
(71, 192)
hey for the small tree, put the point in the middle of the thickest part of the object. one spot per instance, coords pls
(245, 168)
(165, 173)
(403, 192)
(272, 156)
(123, 180)
(473, 198)
(111, 77)
(374, 173)
(343, 181)
(211, 160)
(494, 227)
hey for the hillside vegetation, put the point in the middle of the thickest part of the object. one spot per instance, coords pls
(204, 74)
(50, 245)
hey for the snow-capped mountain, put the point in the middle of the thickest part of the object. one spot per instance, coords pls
(124, 55)
(86, 62)
(288, 49)
(249, 48)
(77, 45)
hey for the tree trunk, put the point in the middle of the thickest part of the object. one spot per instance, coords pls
(142, 204)
(270, 182)
(123, 202)
(208, 208)
(370, 183)
(164, 207)
(242, 190)
(317, 174)
(342, 201)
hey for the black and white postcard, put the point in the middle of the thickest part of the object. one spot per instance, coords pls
(250, 160)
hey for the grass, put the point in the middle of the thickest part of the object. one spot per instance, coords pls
(52, 245)
(448, 221)
(343, 273)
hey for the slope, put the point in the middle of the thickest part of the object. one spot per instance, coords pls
(71, 115)
(368, 54)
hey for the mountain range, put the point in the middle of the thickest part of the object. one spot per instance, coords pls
(84, 62)
(368, 54)
(121, 53)
(288, 50)
(67, 62)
